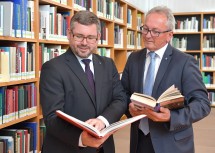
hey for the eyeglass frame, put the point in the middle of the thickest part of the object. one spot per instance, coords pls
(158, 32)
(83, 37)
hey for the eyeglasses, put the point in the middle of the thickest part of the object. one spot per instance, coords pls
(80, 38)
(154, 33)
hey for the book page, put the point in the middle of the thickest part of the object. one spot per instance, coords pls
(92, 130)
(117, 125)
(78, 123)
(145, 96)
(142, 100)
(169, 90)
(169, 98)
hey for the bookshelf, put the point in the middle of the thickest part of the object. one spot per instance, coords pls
(42, 41)
(195, 34)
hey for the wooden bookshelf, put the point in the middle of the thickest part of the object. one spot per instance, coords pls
(195, 32)
(116, 17)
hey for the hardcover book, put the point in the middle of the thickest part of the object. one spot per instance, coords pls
(171, 98)
(92, 130)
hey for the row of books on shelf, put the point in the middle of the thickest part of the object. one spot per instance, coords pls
(17, 18)
(208, 79)
(105, 9)
(118, 36)
(118, 12)
(187, 25)
(179, 43)
(209, 24)
(118, 33)
(17, 101)
(131, 38)
(182, 42)
(129, 18)
(211, 96)
(208, 61)
(109, 10)
(139, 40)
(83, 4)
(20, 138)
(53, 25)
(139, 21)
(17, 61)
(208, 42)
(104, 33)
(47, 52)
(104, 52)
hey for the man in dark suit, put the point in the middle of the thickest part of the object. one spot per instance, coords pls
(65, 86)
(169, 131)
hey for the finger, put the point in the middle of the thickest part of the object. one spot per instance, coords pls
(92, 122)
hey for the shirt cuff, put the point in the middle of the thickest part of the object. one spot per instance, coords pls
(104, 120)
(80, 144)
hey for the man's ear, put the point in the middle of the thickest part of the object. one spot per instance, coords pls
(68, 33)
(170, 36)
(99, 37)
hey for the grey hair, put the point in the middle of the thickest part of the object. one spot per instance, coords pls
(85, 18)
(167, 12)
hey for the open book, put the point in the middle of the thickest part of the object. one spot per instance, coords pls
(92, 130)
(171, 98)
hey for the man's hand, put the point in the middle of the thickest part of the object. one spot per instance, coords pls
(162, 116)
(97, 123)
(91, 141)
(134, 110)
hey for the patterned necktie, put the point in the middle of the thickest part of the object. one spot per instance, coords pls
(147, 89)
(89, 74)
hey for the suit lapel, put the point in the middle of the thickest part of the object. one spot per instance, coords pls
(76, 68)
(162, 68)
(99, 76)
(141, 69)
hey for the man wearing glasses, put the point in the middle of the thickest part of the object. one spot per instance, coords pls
(83, 85)
(151, 71)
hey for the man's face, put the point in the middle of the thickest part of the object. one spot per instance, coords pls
(157, 23)
(83, 39)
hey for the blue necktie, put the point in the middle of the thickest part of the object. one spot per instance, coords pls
(147, 89)
(89, 74)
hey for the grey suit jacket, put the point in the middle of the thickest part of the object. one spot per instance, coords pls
(176, 68)
(64, 86)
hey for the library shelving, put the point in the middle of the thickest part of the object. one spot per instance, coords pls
(195, 34)
(34, 34)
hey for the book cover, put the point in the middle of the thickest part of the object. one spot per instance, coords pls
(1, 146)
(7, 17)
(10, 143)
(32, 129)
(92, 130)
(13, 134)
(171, 98)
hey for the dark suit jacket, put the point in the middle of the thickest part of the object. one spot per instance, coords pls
(64, 86)
(176, 68)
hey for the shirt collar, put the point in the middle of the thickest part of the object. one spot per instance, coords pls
(79, 58)
(159, 52)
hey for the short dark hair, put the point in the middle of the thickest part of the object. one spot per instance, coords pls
(85, 18)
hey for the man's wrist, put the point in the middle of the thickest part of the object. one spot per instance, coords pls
(104, 120)
(80, 144)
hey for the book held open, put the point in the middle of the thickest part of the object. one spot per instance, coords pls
(92, 130)
(171, 98)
